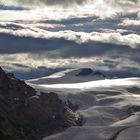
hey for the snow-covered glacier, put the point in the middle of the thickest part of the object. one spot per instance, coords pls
(110, 107)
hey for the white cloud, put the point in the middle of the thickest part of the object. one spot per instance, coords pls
(50, 13)
(130, 22)
(132, 40)
(27, 62)
(32, 61)
(124, 5)
(64, 9)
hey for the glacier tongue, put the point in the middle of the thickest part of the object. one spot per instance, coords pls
(110, 107)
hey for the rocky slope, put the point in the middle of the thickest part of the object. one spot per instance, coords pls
(26, 115)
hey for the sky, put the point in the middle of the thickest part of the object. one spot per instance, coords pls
(55, 34)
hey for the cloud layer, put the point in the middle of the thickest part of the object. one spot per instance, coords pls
(131, 40)
(42, 2)
(103, 34)
(85, 4)
(127, 3)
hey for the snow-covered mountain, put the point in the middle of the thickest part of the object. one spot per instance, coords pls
(110, 107)
(70, 76)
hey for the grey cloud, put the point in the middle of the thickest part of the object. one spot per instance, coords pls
(119, 3)
(46, 2)
(124, 4)
(65, 49)
(66, 2)
(10, 45)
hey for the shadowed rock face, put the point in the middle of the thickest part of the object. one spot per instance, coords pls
(27, 116)
(88, 71)
(85, 72)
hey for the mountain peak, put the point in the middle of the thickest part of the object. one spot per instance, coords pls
(90, 72)
(85, 72)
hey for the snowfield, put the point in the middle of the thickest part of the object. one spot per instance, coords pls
(110, 107)
(94, 84)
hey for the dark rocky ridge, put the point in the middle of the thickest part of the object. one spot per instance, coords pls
(89, 71)
(27, 116)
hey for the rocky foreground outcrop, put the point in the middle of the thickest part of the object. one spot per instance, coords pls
(25, 115)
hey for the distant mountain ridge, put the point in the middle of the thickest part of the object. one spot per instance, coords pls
(70, 76)
(89, 71)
